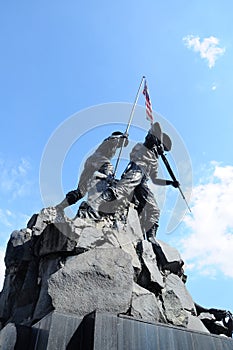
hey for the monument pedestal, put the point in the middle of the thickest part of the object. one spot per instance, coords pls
(103, 331)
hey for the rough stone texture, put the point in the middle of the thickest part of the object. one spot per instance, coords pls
(16, 299)
(150, 262)
(170, 252)
(45, 217)
(90, 237)
(174, 311)
(25, 300)
(8, 337)
(174, 283)
(195, 323)
(47, 267)
(100, 279)
(5, 300)
(132, 227)
(20, 237)
(146, 306)
(18, 249)
(130, 249)
(78, 266)
(56, 238)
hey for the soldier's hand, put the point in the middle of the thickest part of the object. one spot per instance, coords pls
(175, 184)
(125, 136)
(124, 139)
(160, 149)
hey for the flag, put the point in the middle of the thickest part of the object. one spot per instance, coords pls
(149, 113)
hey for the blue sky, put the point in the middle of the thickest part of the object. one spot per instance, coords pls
(59, 58)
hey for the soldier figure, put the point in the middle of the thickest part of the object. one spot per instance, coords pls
(106, 194)
(133, 183)
(98, 161)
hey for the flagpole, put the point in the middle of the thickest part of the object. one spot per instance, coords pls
(128, 125)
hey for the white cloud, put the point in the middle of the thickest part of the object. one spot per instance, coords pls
(13, 178)
(209, 246)
(208, 48)
(214, 87)
(5, 216)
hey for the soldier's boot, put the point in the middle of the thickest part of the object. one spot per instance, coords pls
(150, 235)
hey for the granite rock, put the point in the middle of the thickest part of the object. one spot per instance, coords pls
(100, 279)
(8, 337)
(174, 311)
(150, 262)
(195, 323)
(170, 252)
(146, 306)
(78, 266)
(175, 284)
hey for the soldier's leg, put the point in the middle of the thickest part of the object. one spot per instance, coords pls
(124, 188)
(149, 218)
(148, 209)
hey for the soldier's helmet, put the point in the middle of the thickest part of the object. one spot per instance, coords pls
(167, 142)
(156, 137)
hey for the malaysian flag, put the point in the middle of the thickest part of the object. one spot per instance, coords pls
(149, 113)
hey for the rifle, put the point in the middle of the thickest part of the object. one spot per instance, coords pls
(169, 169)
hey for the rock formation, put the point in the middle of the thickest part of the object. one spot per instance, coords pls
(79, 266)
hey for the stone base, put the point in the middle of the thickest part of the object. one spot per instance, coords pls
(103, 331)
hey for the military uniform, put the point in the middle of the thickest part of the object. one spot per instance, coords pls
(102, 156)
(133, 183)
